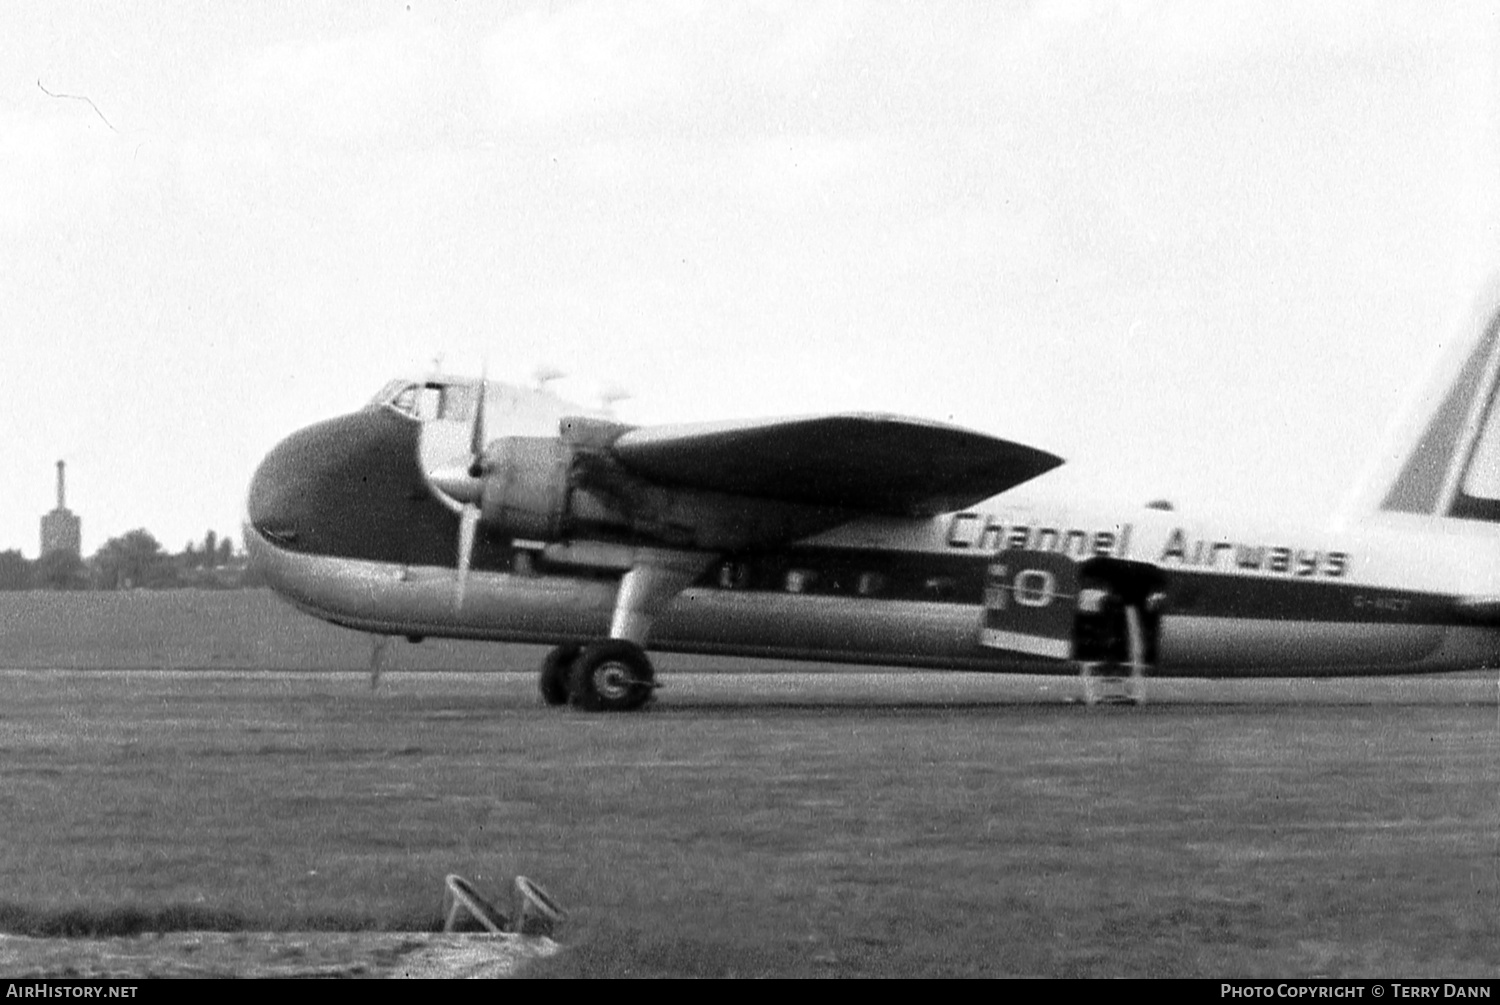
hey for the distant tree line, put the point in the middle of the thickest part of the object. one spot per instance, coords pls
(134, 560)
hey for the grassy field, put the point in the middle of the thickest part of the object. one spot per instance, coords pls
(197, 629)
(766, 824)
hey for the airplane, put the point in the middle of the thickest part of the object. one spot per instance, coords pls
(462, 508)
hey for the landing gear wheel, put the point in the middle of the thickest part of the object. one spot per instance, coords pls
(611, 676)
(555, 670)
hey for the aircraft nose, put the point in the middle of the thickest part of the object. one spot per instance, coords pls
(348, 488)
(284, 489)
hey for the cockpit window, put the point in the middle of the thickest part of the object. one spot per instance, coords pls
(409, 401)
(456, 402)
(433, 399)
(388, 393)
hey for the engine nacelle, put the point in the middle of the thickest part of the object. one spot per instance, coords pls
(552, 488)
(526, 487)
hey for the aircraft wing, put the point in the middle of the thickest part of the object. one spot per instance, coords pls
(877, 463)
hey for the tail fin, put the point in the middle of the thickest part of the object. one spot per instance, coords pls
(1449, 465)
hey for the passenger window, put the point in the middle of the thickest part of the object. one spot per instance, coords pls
(800, 580)
(939, 587)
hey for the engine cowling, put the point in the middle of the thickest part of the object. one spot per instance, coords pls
(551, 489)
(526, 487)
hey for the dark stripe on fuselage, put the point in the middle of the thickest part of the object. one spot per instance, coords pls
(892, 575)
(353, 487)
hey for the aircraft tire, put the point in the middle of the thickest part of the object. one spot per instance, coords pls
(611, 676)
(556, 668)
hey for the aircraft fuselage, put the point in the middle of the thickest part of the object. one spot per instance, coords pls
(343, 524)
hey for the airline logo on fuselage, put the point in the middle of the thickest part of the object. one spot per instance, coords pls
(984, 532)
(1280, 559)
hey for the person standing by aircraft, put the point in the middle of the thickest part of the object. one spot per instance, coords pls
(1100, 635)
(1115, 637)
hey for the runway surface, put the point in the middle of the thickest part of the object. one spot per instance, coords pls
(747, 683)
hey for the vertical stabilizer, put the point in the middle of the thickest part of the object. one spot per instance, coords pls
(1447, 463)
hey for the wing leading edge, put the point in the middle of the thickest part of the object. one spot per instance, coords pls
(878, 463)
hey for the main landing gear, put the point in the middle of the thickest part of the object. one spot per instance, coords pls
(555, 670)
(613, 675)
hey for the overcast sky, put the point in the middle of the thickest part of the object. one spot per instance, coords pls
(1200, 250)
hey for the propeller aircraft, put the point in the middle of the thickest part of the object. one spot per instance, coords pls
(463, 508)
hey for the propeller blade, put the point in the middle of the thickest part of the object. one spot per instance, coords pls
(459, 481)
(476, 434)
(378, 654)
(468, 523)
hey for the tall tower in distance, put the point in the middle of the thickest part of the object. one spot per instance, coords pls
(61, 529)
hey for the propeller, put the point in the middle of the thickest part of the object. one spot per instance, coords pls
(463, 485)
(476, 432)
(379, 653)
(468, 523)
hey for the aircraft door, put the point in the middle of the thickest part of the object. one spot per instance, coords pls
(1030, 603)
